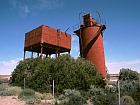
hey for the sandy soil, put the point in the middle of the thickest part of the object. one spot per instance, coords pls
(11, 100)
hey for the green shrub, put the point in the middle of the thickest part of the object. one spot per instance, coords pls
(69, 92)
(33, 101)
(75, 100)
(104, 99)
(4, 81)
(71, 97)
(47, 96)
(27, 92)
(39, 95)
(29, 96)
(127, 100)
(86, 94)
(2, 88)
(67, 73)
(15, 88)
(8, 93)
(62, 97)
(95, 90)
(4, 91)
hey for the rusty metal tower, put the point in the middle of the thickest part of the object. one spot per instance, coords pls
(91, 42)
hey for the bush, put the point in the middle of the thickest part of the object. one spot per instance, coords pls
(5, 91)
(27, 92)
(15, 88)
(127, 100)
(47, 96)
(33, 101)
(75, 100)
(8, 93)
(95, 91)
(104, 99)
(29, 96)
(62, 97)
(71, 97)
(101, 96)
(67, 73)
(2, 88)
(69, 92)
(4, 81)
(39, 95)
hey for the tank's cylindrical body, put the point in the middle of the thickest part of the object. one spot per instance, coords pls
(95, 53)
(91, 43)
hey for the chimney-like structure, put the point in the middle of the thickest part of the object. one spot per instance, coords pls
(91, 42)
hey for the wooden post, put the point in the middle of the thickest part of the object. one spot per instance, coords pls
(32, 55)
(69, 52)
(24, 55)
(41, 51)
(37, 55)
(56, 53)
(46, 55)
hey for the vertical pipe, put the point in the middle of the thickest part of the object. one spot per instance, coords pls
(24, 83)
(119, 91)
(80, 40)
(53, 92)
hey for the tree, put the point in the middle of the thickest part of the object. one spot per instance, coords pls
(128, 74)
(67, 73)
(24, 69)
(130, 84)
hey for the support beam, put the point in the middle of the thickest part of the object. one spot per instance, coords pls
(47, 55)
(56, 53)
(37, 55)
(41, 51)
(69, 52)
(32, 55)
(24, 55)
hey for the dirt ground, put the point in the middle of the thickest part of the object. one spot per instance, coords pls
(11, 100)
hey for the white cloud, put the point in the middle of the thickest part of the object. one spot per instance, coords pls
(20, 6)
(6, 67)
(114, 67)
(75, 51)
(47, 4)
(75, 47)
(25, 7)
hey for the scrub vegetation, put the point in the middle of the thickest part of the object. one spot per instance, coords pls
(77, 82)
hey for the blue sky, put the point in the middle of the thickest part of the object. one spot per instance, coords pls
(121, 38)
